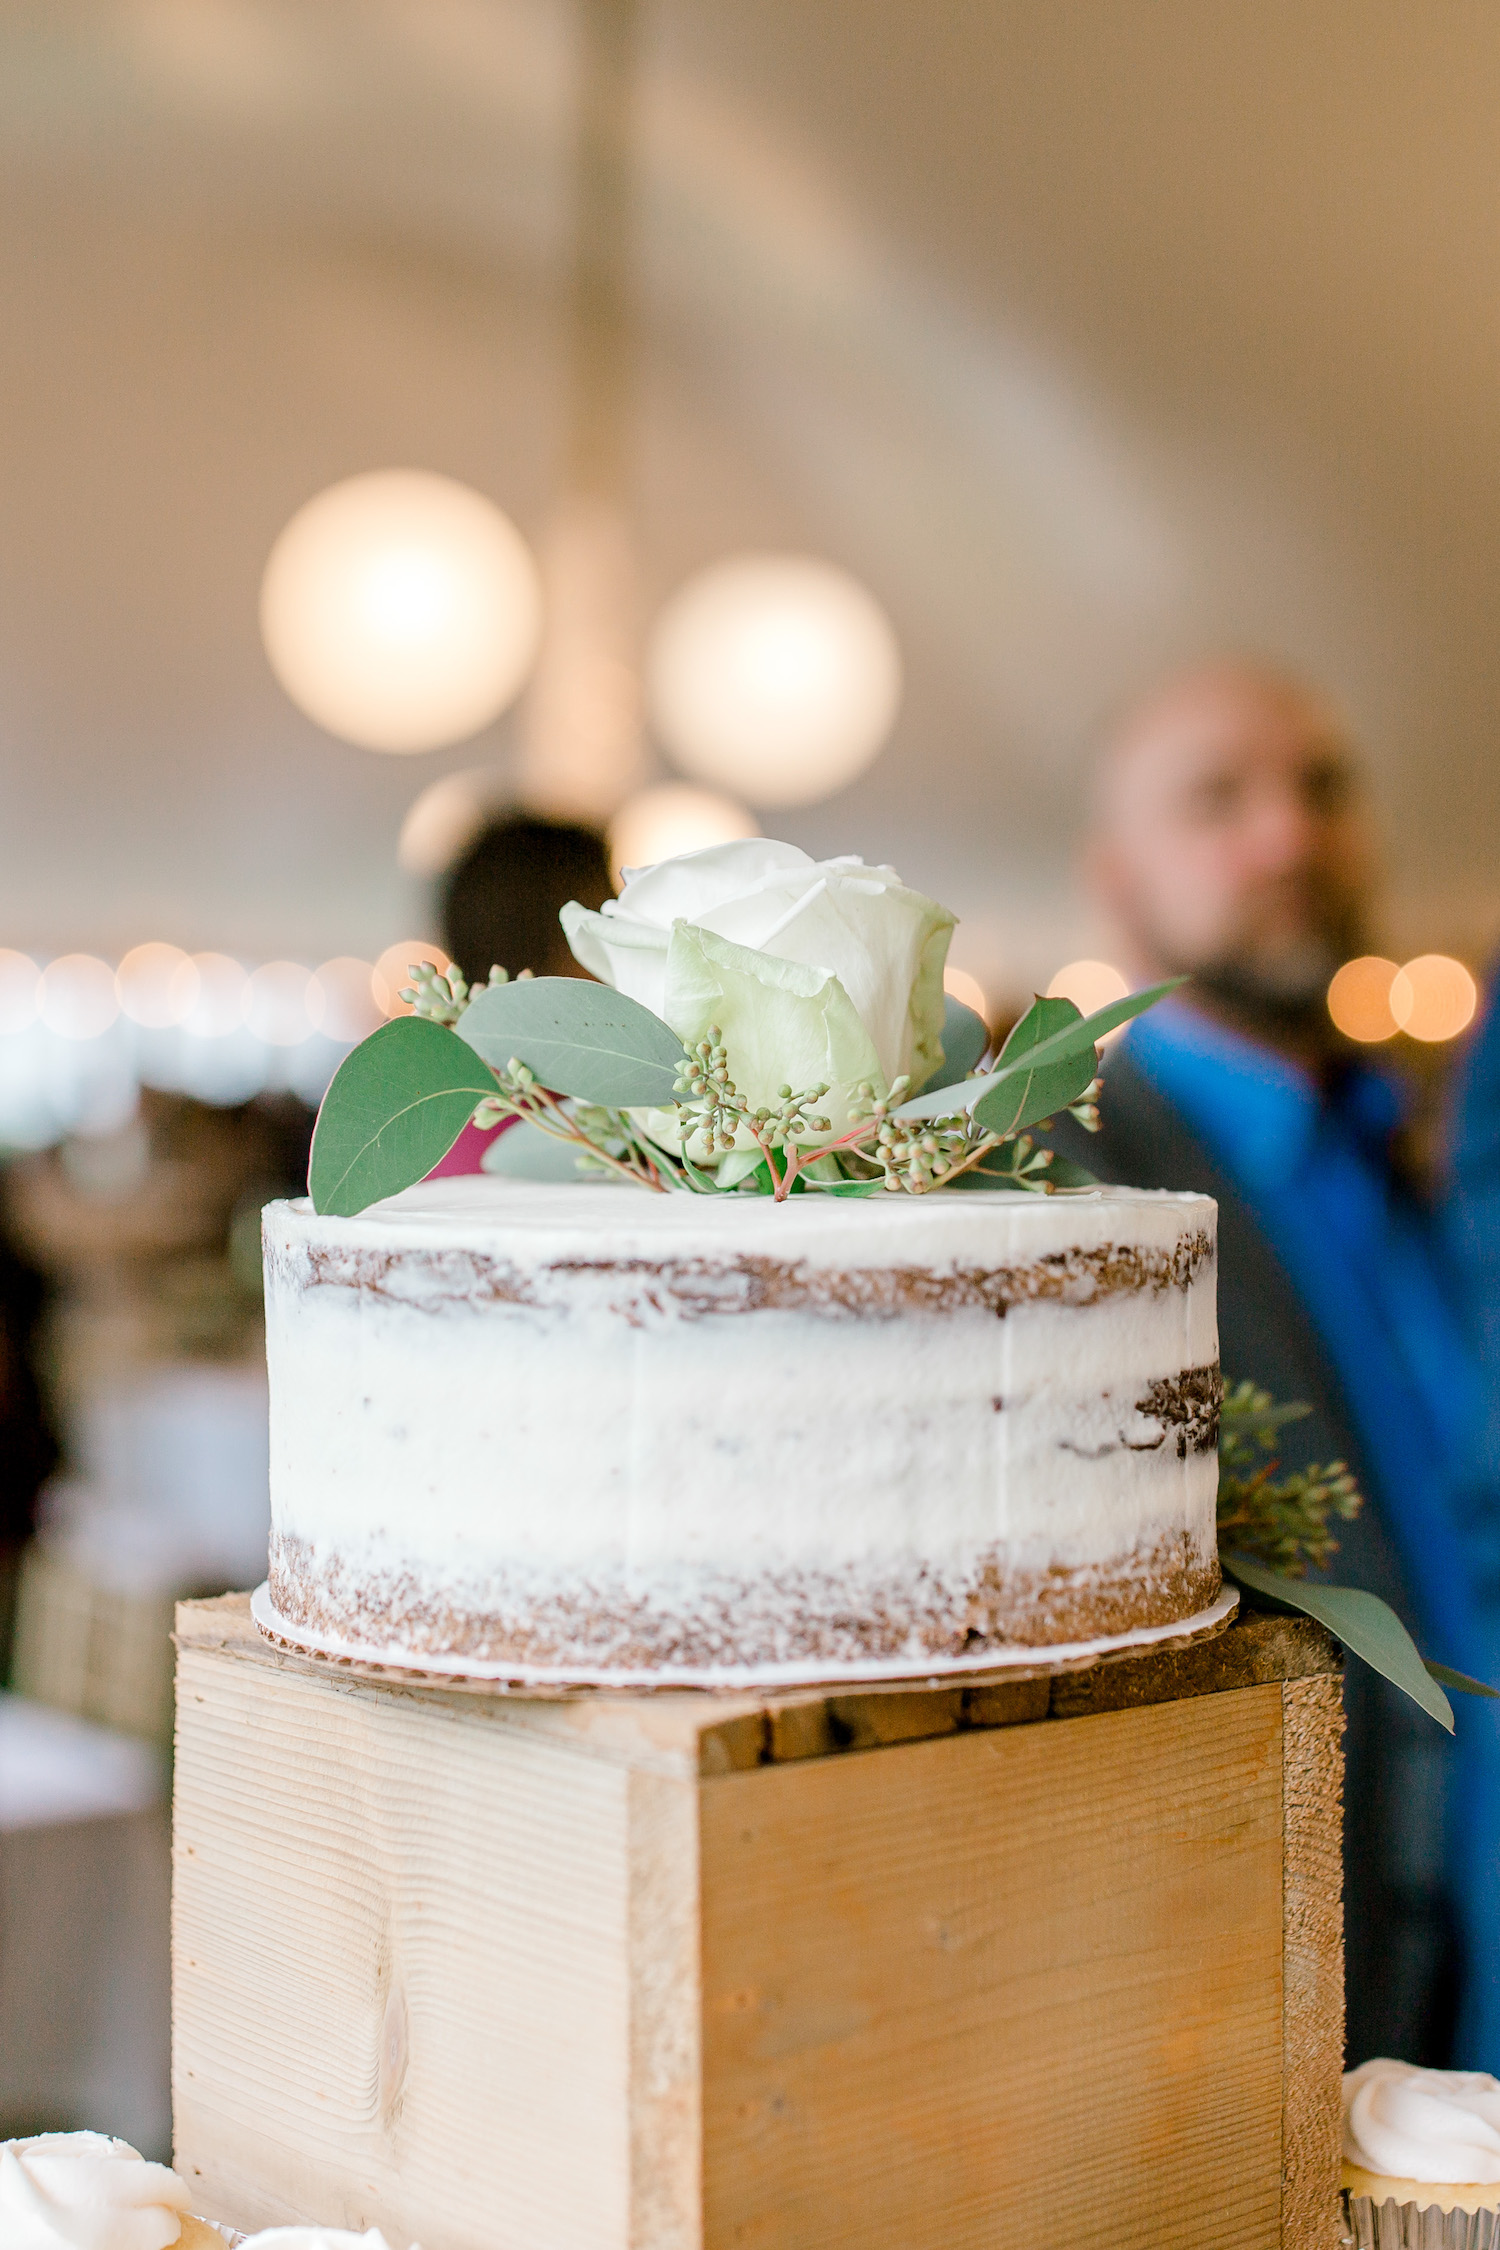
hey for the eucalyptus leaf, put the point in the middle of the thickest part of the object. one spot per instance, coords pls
(965, 1039)
(1030, 1094)
(1072, 1040)
(839, 1187)
(1445, 1676)
(524, 1152)
(396, 1106)
(581, 1039)
(1062, 1172)
(1048, 1013)
(1368, 1627)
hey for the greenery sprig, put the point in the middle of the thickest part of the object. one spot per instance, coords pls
(1273, 1532)
(588, 1067)
(1284, 1522)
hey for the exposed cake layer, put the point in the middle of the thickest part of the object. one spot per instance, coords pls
(574, 1425)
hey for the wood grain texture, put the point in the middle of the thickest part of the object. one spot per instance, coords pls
(401, 1949)
(1313, 2020)
(1018, 1987)
(918, 1968)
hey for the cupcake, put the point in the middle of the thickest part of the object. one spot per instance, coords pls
(85, 2191)
(1422, 2158)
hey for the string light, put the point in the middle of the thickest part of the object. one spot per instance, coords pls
(1359, 999)
(19, 980)
(1433, 998)
(156, 985)
(219, 1003)
(276, 1003)
(341, 1001)
(393, 970)
(76, 996)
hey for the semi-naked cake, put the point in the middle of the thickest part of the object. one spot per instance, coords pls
(592, 1433)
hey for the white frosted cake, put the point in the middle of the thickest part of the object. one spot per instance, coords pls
(597, 1432)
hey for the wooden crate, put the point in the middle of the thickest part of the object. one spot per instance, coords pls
(1023, 1966)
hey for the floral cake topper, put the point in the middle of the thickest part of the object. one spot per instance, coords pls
(763, 1023)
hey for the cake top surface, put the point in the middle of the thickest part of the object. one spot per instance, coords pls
(530, 1217)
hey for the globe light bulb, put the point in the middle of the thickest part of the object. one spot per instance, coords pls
(401, 610)
(775, 676)
(674, 817)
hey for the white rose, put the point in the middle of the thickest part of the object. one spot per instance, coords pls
(85, 2191)
(817, 972)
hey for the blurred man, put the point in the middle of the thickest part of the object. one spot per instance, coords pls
(1231, 842)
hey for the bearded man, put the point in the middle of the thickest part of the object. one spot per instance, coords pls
(1231, 842)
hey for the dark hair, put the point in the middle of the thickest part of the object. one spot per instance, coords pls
(502, 898)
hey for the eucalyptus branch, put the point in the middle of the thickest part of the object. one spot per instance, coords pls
(1285, 1523)
(442, 995)
(587, 1129)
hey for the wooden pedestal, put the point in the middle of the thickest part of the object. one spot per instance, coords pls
(1030, 1966)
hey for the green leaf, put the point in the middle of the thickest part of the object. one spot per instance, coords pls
(838, 1187)
(1072, 1040)
(965, 1039)
(582, 1039)
(395, 1108)
(1064, 1173)
(1367, 1626)
(1029, 1095)
(1445, 1676)
(524, 1152)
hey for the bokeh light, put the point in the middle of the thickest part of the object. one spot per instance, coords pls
(674, 817)
(960, 986)
(219, 1002)
(156, 985)
(445, 818)
(1433, 997)
(775, 676)
(340, 1000)
(1359, 999)
(76, 996)
(276, 1008)
(393, 971)
(19, 981)
(401, 610)
(1090, 985)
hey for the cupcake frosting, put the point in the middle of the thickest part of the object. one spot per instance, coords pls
(1429, 2125)
(84, 2191)
(315, 2238)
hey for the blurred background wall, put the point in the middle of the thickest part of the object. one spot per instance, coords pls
(1086, 337)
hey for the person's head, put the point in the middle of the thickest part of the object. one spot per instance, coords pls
(1231, 838)
(502, 898)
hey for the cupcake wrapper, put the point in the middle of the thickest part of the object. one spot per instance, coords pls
(1418, 2226)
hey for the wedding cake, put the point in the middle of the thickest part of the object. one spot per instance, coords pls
(580, 1428)
(761, 1394)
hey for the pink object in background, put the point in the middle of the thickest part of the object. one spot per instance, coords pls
(467, 1151)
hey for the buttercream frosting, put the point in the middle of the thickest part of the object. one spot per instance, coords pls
(315, 2238)
(86, 2191)
(1428, 2125)
(666, 1435)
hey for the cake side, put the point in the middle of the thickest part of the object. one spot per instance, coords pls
(564, 1426)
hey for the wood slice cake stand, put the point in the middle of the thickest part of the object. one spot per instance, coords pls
(1026, 1963)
